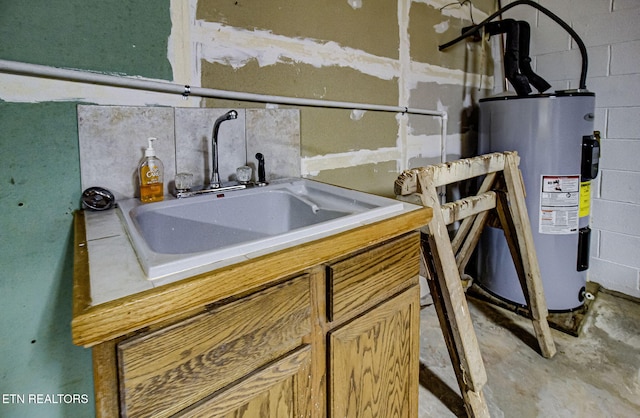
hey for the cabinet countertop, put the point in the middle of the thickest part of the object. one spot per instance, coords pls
(111, 296)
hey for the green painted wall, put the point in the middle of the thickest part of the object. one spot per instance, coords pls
(39, 191)
(40, 187)
(112, 36)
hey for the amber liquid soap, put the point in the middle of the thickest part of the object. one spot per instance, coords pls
(151, 176)
(151, 192)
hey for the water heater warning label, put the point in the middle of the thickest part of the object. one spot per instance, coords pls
(559, 204)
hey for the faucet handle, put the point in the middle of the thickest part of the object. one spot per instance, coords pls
(262, 178)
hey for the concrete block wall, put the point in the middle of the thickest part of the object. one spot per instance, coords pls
(610, 31)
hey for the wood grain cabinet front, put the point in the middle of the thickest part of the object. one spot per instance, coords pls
(338, 339)
(360, 281)
(280, 390)
(373, 361)
(166, 371)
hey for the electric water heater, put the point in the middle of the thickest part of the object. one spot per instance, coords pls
(553, 134)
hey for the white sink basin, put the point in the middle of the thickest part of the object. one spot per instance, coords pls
(181, 234)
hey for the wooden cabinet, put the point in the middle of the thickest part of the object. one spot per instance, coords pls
(339, 338)
(165, 371)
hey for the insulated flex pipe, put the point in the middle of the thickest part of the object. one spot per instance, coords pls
(562, 23)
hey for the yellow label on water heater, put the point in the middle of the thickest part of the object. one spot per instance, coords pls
(585, 198)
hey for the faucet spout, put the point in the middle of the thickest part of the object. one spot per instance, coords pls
(215, 175)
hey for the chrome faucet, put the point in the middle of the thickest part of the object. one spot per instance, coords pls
(215, 182)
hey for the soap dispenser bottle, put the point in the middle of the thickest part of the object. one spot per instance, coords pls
(151, 174)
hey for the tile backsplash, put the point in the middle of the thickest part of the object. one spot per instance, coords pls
(112, 140)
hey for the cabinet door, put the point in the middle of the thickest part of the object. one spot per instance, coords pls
(373, 370)
(168, 370)
(280, 390)
(361, 281)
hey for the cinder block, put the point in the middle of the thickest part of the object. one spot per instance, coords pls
(608, 28)
(595, 186)
(626, 4)
(549, 37)
(621, 186)
(616, 91)
(571, 10)
(561, 8)
(619, 154)
(566, 65)
(601, 120)
(556, 66)
(595, 243)
(625, 58)
(623, 124)
(522, 12)
(614, 276)
(581, 8)
(613, 216)
(561, 85)
(599, 58)
(620, 249)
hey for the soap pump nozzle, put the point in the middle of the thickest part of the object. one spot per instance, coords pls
(150, 152)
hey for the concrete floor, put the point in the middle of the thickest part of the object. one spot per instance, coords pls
(594, 375)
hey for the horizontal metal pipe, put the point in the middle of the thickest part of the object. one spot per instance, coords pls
(83, 76)
(35, 70)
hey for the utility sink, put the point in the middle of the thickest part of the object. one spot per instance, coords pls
(181, 234)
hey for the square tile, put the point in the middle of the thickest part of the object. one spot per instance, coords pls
(112, 140)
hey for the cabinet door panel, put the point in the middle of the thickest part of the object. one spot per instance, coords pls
(167, 370)
(280, 390)
(373, 370)
(366, 279)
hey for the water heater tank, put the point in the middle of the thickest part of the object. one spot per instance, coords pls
(549, 132)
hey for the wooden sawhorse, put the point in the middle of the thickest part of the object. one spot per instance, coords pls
(502, 190)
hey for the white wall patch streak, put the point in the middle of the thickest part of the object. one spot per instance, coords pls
(427, 73)
(467, 103)
(428, 146)
(441, 27)
(26, 89)
(404, 93)
(311, 166)
(236, 47)
(357, 114)
(450, 8)
(423, 146)
(356, 4)
(180, 47)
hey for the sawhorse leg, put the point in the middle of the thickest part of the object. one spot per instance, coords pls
(453, 313)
